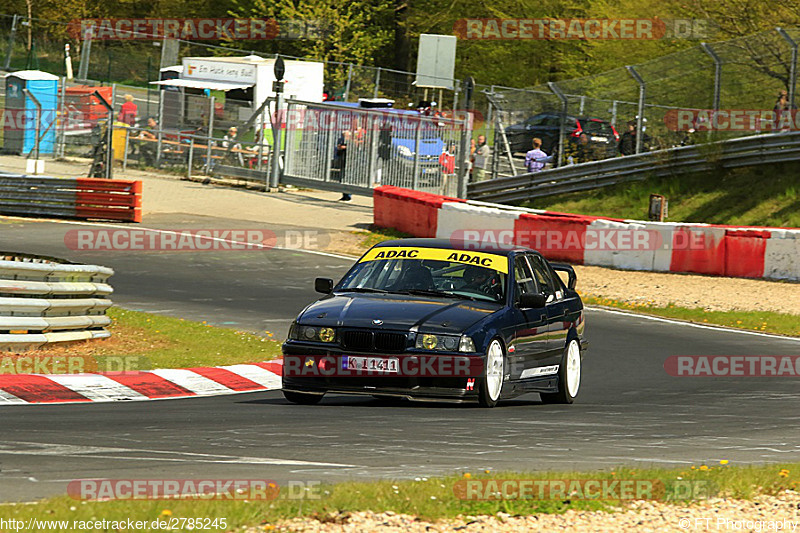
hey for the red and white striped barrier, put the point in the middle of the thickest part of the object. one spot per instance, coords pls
(71, 197)
(152, 385)
(750, 252)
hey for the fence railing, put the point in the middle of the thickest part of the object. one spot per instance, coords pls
(44, 301)
(756, 150)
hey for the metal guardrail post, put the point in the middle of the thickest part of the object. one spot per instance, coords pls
(11, 38)
(717, 72)
(563, 122)
(33, 99)
(463, 173)
(640, 114)
(792, 67)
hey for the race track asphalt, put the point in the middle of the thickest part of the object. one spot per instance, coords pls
(629, 410)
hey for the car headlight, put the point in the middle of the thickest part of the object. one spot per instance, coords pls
(310, 333)
(445, 343)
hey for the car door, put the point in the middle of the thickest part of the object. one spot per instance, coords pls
(556, 307)
(529, 342)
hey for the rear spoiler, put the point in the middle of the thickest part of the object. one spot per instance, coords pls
(573, 279)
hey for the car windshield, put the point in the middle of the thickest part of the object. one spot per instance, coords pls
(461, 277)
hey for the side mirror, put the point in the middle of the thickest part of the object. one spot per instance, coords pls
(532, 300)
(323, 285)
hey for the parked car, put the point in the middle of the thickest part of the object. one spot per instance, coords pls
(589, 138)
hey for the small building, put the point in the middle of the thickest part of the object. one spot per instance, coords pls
(20, 117)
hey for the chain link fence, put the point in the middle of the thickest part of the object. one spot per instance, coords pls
(625, 110)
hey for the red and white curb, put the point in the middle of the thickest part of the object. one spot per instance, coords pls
(137, 386)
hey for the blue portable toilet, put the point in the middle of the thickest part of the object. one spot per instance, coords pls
(20, 112)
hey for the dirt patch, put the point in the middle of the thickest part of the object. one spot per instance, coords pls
(722, 515)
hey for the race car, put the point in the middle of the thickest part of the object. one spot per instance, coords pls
(434, 319)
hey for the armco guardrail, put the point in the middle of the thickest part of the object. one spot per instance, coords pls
(85, 198)
(755, 150)
(44, 300)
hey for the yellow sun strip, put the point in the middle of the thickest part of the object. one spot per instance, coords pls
(495, 262)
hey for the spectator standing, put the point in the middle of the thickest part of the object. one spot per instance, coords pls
(127, 113)
(627, 142)
(481, 158)
(535, 159)
(340, 161)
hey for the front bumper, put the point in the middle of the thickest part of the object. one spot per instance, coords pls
(434, 376)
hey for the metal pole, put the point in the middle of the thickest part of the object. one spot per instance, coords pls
(62, 139)
(280, 70)
(417, 140)
(210, 134)
(377, 82)
(349, 79)
(35, 148)
(276, 138)
(125, 154)
(288, 151)
(563, 120)
(463, 151)
(191, 157)
(640, 114)
(717, 72)
(160, 128)
(614, 114)
(583, 103)
(11, 38)
(86, 53)
(792, 67)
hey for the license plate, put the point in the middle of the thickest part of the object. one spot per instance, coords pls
(388, 365)
(600, 139)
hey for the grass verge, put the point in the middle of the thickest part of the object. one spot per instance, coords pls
(762, 321)
(426, 498)
(168, 342)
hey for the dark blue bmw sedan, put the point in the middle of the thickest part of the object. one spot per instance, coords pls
(428, 319)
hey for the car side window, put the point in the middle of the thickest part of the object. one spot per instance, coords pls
(543, 279)
(523, 276)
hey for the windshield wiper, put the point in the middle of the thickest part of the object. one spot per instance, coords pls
(362, 289)
(425, 292)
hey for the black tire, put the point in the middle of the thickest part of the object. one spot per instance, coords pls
(488, 393)
(302, 398)
(566, 393)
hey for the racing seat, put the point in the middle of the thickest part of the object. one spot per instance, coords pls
(415, 277)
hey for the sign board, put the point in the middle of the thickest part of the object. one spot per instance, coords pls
(199, 69)
(436, 61)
